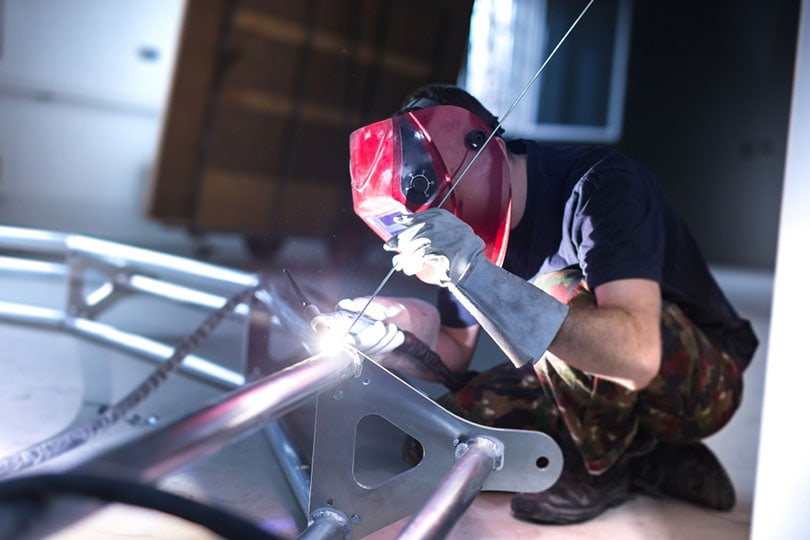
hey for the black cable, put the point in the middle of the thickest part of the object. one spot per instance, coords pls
(32, 492)
(61, 443)
(431, 361)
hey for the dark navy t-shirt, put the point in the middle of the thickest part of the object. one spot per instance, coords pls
(593, 208)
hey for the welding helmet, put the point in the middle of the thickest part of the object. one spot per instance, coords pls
(407, 163)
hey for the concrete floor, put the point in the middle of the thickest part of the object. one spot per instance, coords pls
(49, 378)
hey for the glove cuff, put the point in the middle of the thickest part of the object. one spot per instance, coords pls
(519, 317)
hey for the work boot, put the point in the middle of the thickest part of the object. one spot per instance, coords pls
(576, 496)
(689, 472)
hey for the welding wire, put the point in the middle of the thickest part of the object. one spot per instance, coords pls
(481, 149)
(61, 443)
(372, 297)
(514, 104)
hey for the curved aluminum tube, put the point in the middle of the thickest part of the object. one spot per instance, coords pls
(201, 433)
(237, 413)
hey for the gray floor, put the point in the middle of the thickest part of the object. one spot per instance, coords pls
(49, 378)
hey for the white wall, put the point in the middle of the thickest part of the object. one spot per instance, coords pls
(83, 85)
(783, 475)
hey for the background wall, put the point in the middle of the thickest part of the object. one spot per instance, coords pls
(783, 482)
(708, 99)
(83, 88)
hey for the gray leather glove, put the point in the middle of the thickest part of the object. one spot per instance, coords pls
(436, 245)
(444, 250)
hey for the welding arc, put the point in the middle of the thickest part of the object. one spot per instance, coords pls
(61, 443)
(481, 149)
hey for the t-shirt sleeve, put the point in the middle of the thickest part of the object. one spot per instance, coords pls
(618, 225)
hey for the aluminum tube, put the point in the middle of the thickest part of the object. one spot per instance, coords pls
(106, 335)
(164, 264)
(290, 459)
(455, 494)
(238, 413)
(327, 524)
(152, 350)
(323, 529)
(177, 293)
(25, 314)
(34, 267)
(200, 433)
(20, 238)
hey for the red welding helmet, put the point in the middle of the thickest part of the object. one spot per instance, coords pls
(407, 164)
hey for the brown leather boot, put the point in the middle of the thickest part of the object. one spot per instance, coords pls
(689, 472)
(576, 497)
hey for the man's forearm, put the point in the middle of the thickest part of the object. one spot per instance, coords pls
(611, 343)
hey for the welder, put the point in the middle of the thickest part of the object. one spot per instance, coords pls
(620, 343)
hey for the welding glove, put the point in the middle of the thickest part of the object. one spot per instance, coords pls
(441, 249)
(371, 335)
(436, 245)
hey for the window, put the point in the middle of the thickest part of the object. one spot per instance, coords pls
(580, 94)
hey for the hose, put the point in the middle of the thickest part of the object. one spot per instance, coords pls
(431, 361)
(22, 499)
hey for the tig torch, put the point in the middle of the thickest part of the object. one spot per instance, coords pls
(412, 345)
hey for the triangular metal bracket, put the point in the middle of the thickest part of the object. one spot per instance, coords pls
(532, 461)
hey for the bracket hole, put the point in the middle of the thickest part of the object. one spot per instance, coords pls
(382, 451)
(542, 462)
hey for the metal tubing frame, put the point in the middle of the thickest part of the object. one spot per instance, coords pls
(122, 270)
(239, 412)
(117, 270)
(531, 460)
(205, 431)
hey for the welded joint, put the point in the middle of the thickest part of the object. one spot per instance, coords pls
(486, 445)
(332, 517)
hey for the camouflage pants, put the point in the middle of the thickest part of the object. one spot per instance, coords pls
(696, 392)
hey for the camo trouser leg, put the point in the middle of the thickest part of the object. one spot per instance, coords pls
(695, 393)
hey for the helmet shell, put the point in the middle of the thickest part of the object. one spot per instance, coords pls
(408, 163)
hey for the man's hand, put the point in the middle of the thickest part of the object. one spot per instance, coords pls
(436, 246)
(371, 335)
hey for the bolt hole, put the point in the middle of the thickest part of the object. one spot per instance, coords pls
(542, 462)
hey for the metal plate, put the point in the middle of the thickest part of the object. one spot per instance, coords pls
(532, 460)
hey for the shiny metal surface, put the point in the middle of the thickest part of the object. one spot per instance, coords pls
(239, 412)
(327, 524)
(202, 432)
(456, 491)
(293, 465)
(98, 274)
(532, 461)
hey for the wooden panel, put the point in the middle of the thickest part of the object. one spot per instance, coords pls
(179, 156)
(268, 149)
(231, 201)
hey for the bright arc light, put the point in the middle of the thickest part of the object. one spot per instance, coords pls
(331, 341)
